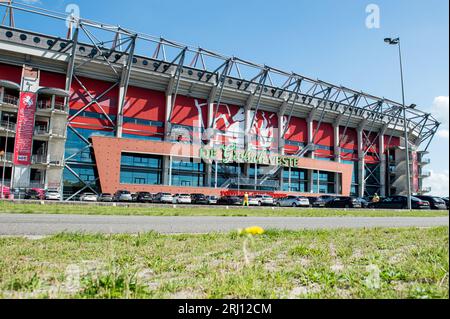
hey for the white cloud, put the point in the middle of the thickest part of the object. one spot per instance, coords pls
(443, 133)
(438, 183)
(440, 110)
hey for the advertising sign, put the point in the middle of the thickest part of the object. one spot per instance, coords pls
(25, 129)
(230, 154)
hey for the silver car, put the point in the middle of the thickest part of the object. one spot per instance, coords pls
(265, 200)
(293, 201)
(122, 196)
(164, 198)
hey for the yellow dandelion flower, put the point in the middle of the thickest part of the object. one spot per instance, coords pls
(255, 230)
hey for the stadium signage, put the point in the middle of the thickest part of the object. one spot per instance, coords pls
(230, 154)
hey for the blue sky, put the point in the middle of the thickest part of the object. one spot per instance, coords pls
(323, 39)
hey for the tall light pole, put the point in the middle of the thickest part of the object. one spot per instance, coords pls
(2, 195)
(396, 42)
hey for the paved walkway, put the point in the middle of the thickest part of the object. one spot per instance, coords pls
(40, 225)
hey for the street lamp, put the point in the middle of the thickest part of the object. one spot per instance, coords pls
(396, 41)
(2, 194)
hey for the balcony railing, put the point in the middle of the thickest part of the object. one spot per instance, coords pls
(10, 99)
(8, 126)
(41, 130)
(425, 174)
(36, 184)
(7, 157)
(425, 161)
(39, 159)
(426, 190)
(47, 105)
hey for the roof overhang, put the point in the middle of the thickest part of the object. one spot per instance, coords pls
(9, 85)
(53, 91)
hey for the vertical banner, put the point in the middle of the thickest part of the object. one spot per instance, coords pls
(415, 173)
(25, 129)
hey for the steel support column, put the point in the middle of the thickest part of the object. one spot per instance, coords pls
(123, 87)
(383, 162)
(361, 160)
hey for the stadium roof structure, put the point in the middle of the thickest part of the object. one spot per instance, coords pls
(119, 55)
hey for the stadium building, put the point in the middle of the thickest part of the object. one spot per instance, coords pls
(104, 108)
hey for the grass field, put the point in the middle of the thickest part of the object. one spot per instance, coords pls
(7, 207)
(378, 263)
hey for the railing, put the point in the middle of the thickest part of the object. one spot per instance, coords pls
(36, 184)
(41, 130)
(60, 106)
(426, 190)
(10, 99)
(8, 125)
(47, 105)
(425, 161)
(39, 159)
(425, 174)
(44, 105)
(8, 157)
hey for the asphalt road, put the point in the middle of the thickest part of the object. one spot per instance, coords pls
(41, 225)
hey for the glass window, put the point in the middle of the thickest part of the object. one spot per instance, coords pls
(141, 169)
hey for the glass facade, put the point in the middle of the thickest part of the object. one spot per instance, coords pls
(188, 174)
(324, 182)
(295, 180)
(139, 169)
(373, 176)
(81, 172)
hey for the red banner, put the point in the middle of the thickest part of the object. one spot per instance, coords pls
(25, 129)
(415, 173)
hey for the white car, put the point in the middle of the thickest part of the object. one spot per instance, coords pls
(265, 200)
(293, 201)
(164, 198)
(182, 199)
(254, 201)
(52, 195)
(212, 200)
(88, 197)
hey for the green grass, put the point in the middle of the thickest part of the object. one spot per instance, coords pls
(376, 263)
(54, 208)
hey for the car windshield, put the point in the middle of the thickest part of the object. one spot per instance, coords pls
(125, 192)
(106, 195)
(166, 194)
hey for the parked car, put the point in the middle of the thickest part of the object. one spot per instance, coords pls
(122, 196)
(6, 192)
(322, 201)
(265, 200)
(182, 199)
(163, 198)
(436, 203)
(344, 202)
(400, 202)
(253, 201)
(212, 200)
(52, 195)
(88, 197)
(445, 199)
(199, 199)
(231, 200)
(293, 201)
(105, 197)
(144, 197)
(35, 194)
(364, 202)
